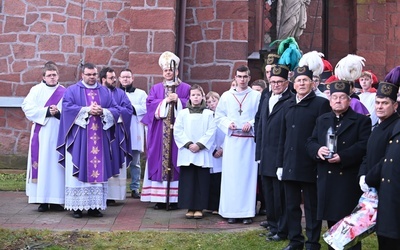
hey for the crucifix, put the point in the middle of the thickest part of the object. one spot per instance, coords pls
(240, 103)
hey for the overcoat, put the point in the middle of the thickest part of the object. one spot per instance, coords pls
(298, 124)
(269, 129)
(386, 177)
(376, 146)
(257, 118)
(337, 183)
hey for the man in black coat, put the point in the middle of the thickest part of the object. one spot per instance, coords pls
(295, 168)
(385, 108)
(271, 60)
(268, 132)
(385, 175)
(338, 166)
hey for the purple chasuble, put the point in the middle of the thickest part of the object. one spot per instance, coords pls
(89, 164)
(121, 146)
(358, 107)
(53, 100)
(155, 136)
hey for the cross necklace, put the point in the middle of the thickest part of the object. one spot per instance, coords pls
(240, 102)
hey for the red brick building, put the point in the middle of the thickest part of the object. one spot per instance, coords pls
(212, 38)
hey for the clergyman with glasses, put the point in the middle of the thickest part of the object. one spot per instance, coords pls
(235, 117)
(89, 114)
(42, 106)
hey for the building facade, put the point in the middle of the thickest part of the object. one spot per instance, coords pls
(212, 38)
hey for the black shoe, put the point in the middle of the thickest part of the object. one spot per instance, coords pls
(264, 224)
(111, 203)
(77, 214)
(262, 212)
(232, 220)
(56, 207)
(135, 194)
(158, 206)
(43, 207)
(270, 234)
(293, 247)
(247, 221)
(276, 238)
(94, 213)
(173, 206)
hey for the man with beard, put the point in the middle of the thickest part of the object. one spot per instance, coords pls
(121, 149)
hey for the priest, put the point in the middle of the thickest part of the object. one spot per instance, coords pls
(84, 140)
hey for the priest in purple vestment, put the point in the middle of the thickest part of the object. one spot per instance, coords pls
(121, 146)
(163, 103)
(87, 129)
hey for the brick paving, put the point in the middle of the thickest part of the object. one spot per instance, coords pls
(130, 215)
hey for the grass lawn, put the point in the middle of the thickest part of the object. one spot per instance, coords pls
(12, 182)
(45, 239)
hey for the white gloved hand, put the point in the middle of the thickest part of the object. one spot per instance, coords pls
(279, 173)
(364, 187)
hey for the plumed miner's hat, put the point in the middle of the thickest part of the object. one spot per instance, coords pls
(387, 89)
(390, 86)
(340, 86)
(272, 59)
(310, 64)
(280, 70)
(349, 67)
(289, 52)
(323, 86)
(328, 70)
(302, 71)
(166, 58)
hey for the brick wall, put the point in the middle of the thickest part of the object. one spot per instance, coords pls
(65, 31)
(134, 32)
(118, 33)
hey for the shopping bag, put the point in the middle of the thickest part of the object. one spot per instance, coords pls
(359, 224)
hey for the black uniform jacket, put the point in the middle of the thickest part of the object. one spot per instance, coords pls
(264, 94)
(337, 183)
(269, 129)
(376, 146)
(386, 177)
(297, 125)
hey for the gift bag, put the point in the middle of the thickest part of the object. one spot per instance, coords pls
(359, 224)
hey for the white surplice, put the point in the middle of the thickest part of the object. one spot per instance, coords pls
(50, 184)
(239, 168)
(195, 127)
(368, 99)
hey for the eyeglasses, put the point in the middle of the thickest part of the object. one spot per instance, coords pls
(242, 77)
(276, 83)
(51, 75)
(112, 78)
(89, 75)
